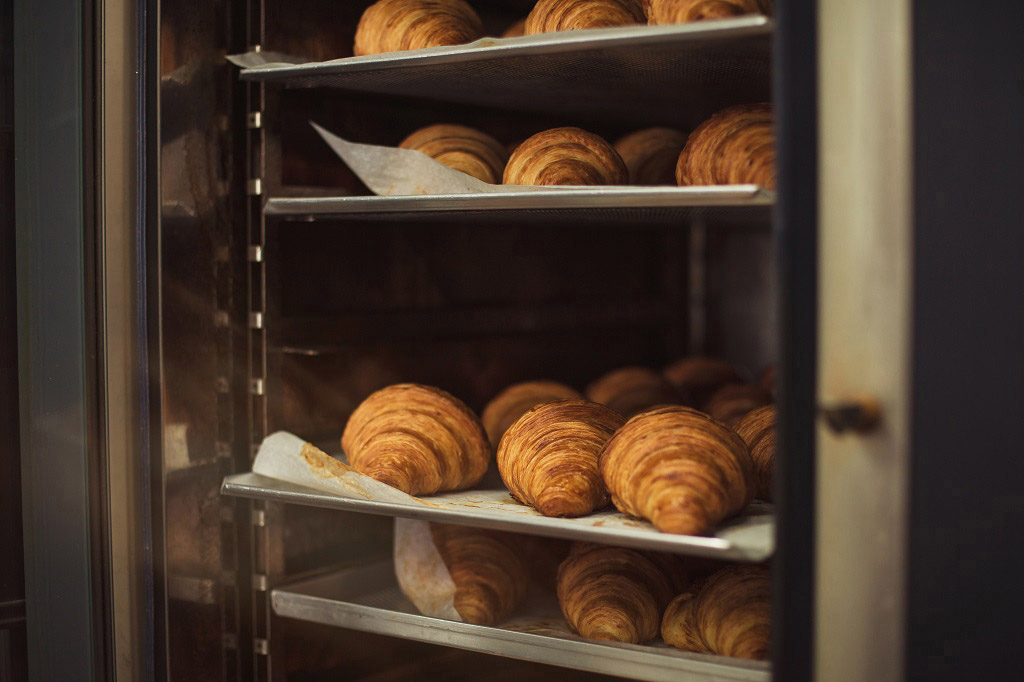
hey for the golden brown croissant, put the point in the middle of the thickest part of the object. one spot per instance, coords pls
(682, 11)
(735, 146)
(697, 378)
(515, 30)
(568, 15)
(678, 468)
(729, 615)
(489, 572)
(565, 156)
(757, 429)
(509, 405)
(617, 594)
(730, 402)
(393, 25)
(630, 390)
(462, 148)
(418, 439)
(651, 154)
(548, 457)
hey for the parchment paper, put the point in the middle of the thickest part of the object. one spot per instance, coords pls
(421, 572)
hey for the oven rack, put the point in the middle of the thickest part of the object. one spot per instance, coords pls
(368, 599)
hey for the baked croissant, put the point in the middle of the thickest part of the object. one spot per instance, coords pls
(730, 402)
(678, 468)
(651, 154)
(697, 378)
(514, 401)
(568, 15)
(757, 429)
(735, 146)
(616, 594)
(515, 30)
(683, 11)
(394, 25)
(768, 379)
(461, 148)
(729, 615)
(548, 457)
(565, 156)
(418, 439)
(489, 572)
(630, 390)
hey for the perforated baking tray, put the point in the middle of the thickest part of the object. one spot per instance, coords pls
(368, 599)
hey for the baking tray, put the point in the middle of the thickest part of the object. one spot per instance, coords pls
(368, 599)
(750, 537)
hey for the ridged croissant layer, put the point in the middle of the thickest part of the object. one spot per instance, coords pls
(757, 429)
(461, 148)
(513, 402)
(678, 468)
(697, 378)
(565, 156)
(418, 439)
(567, 15)
(548, 457)
(683, 11)
(651, 154)
(630, 390)
(489, 573)
(735, 146)
(394, 25)
(729, 615)
(730, 402)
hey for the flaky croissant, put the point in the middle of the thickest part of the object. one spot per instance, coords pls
(729, 615)
(757, 429)
(617, 594)
(735, 146)
(548, 457)
(678, 468)
(489, 572)
(568, 15)
(729, 403)
(651, 154)
(683, 11)
(630, 390)
(418, 439)
(565, 156)
(394, 25)
(509, 405)
(461, 148)
(697, 378)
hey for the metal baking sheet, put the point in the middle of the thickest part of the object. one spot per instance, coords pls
(368, 599)
(750, 537)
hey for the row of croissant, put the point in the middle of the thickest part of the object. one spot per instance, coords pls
(394, 25)
(735, 146)
(611, 593)
(633, 443)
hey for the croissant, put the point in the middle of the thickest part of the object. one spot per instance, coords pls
(650, 155)
(418, 439)
(394, 25)
(616, 594)
(515, 30)
(730, 402)
(767, 380)
(461, 148)
(548, 457)
(729, 615)
(565, 156)
(682, 11)
(678, 468)
(757, 429)
(489, 573)
(631, 390)
(514, 401)
(697, 378)
(735, 146)
(568, 15)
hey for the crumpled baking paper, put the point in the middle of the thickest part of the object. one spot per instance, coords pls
(421, 572)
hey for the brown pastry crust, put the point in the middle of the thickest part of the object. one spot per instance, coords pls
(489, 573)
(418, 439)
(617, 594)
(569, 15)
(735, 146)
(565, 156)
(630, 390)
(757, 429)
(651, 154)
(698, 377)
(548, 457)
(678, 468)
(394, 25)
(512, 403)
(728, 615)
(461, 148)
(515, 30)
(729, 403)
(683, 11)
